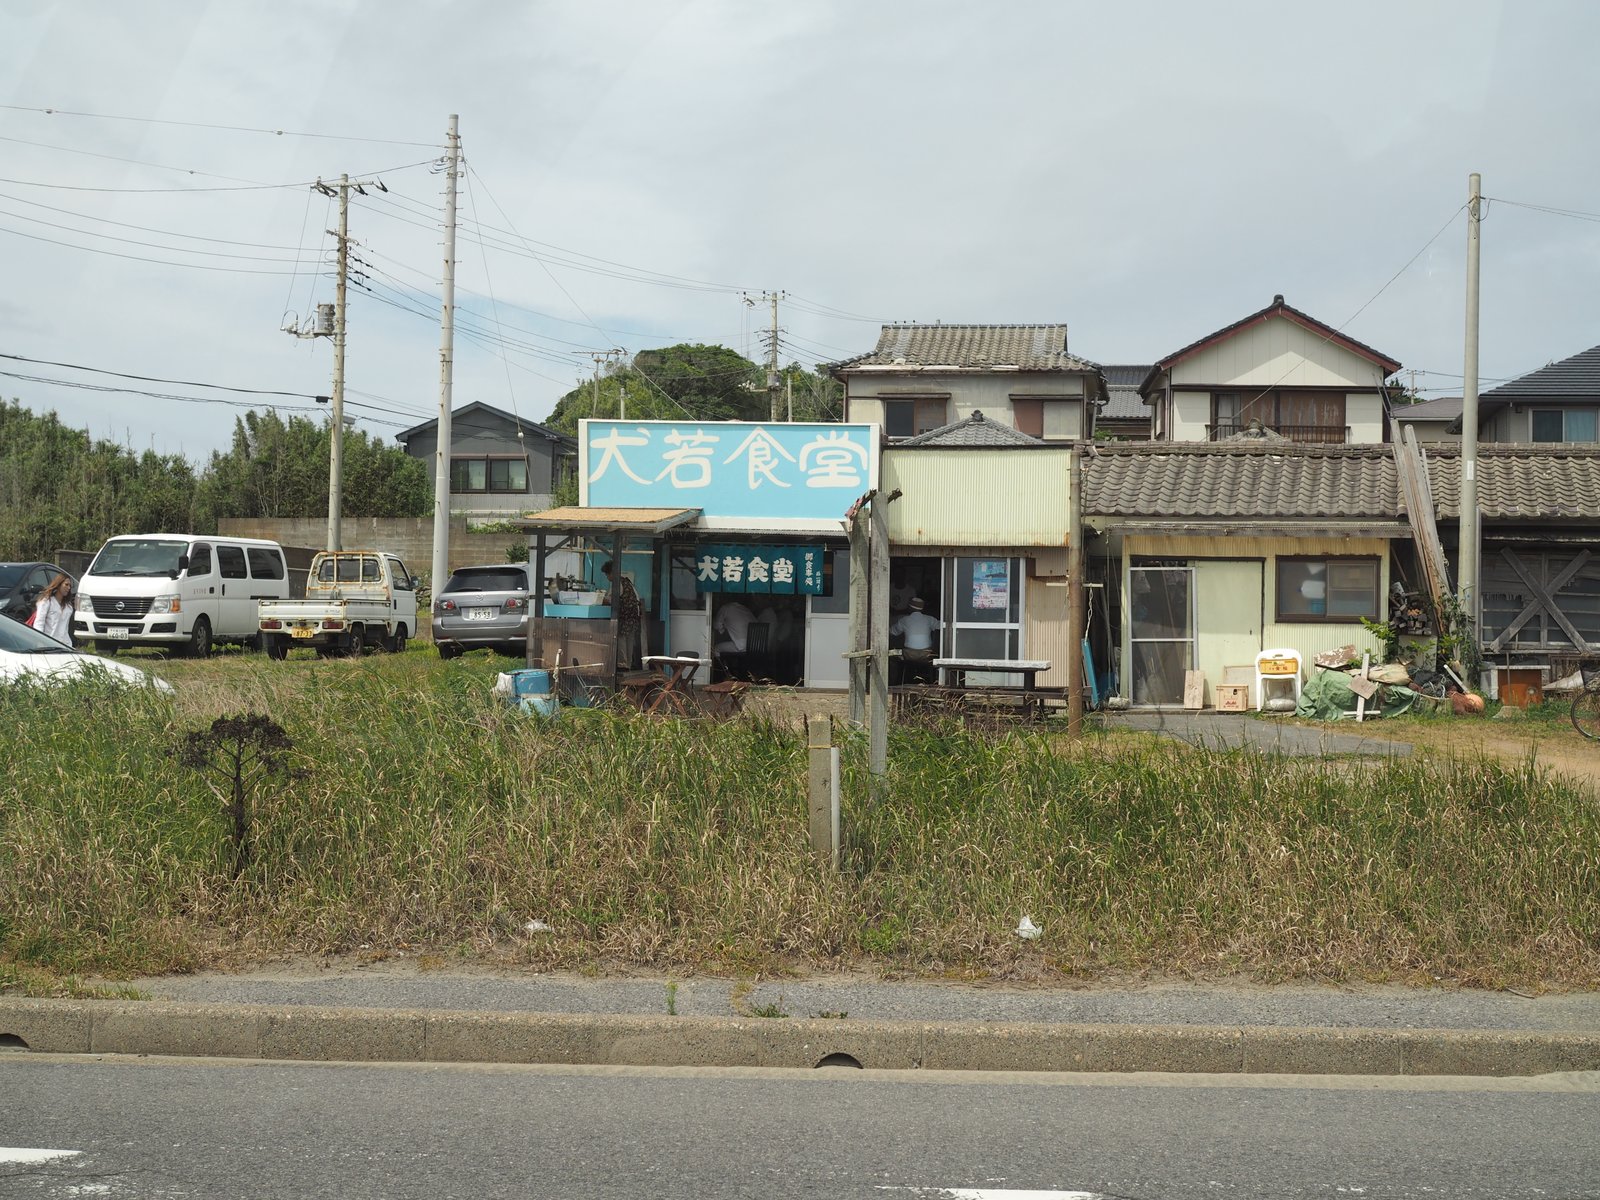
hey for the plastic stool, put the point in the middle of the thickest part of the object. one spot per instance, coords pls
(1277, 668)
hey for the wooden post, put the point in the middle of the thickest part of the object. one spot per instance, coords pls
(533, 649)
(878, 688)
(858, 617)
(823, 787)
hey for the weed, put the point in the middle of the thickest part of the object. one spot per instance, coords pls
(244, 753)
(672, 998)
(769, 1011)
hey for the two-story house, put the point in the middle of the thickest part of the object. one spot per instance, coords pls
(1279, 373)
(923, 377)
(1557, 405)
(500, 465)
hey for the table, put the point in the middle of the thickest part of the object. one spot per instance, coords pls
(677, 685)
(1028, 668)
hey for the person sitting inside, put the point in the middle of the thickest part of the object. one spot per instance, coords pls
(918, 628)
(732, 626)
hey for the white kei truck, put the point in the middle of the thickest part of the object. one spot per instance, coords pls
(355, 599)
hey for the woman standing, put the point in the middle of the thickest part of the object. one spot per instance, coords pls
(53, 610)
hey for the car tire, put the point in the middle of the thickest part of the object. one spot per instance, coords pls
(109, 649)
(355, 644)
(397, 643)
(199, 643)
(276, 645)
(448, 650)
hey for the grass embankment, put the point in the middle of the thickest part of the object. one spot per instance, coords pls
(430, 817)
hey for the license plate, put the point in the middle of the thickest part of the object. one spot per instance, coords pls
(303, 632)
(480, 614)
(117, 633)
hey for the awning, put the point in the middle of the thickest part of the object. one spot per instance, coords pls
(647, 522)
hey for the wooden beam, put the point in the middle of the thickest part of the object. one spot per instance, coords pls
(1545, 598)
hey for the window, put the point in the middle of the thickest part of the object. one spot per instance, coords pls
(230, 562)
(1566, 424)
(265, 564)
(1327, 589)
(199, 560)
(1298, 416)
(489, 474)
(907, 418)
(1028, 417)
(402, 577)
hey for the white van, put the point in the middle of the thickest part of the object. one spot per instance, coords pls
(177, 590)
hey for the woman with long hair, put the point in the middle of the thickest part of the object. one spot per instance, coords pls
(53, 609)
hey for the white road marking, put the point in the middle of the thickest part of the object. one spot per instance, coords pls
(995, 1193)
(20, 1155)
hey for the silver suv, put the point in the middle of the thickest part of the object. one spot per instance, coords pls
(483, 606)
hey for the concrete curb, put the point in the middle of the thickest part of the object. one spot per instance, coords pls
(306, 1033)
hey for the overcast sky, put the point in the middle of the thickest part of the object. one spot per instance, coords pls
(1145, 173)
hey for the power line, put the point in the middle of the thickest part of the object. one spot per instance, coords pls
(63, 112)
(221, 387)
(111, 237)
(82, 216)
(245, 187)
(1574, 213)
(144, 258)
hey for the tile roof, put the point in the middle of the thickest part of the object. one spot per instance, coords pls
(1443, 408)
(1254, 481)
(974, 430)
(1122, 386)
(971, 347)
(1520, 482)
(1277, 309)
(460, 420)
(1575, 378)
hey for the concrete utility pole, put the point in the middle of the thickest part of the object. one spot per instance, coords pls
(1467, 571)
(336, 438)
(335, 329)
(1075, 592)
(602, 356)
(440, 571)
(774, 408)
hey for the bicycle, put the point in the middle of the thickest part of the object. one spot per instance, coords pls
(1586, 705)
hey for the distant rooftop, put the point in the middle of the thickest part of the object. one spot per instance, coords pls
(970, 348)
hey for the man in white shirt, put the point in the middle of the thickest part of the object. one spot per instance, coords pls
(918, 629)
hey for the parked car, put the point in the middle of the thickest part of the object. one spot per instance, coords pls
(354, 599)
(483, 606)
(28, 654)
(177, 590)
(21, 583)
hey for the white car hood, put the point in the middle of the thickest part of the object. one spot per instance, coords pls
(61, 668)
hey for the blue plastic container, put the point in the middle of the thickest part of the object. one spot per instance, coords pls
(530, 681)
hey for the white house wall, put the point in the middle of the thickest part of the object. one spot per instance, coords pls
(1191, 421)
(988, 392)
(1277, 353)
(1219, 641)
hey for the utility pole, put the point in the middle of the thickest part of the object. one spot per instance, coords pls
(440, 570)
(601, 356)
(774, 409)
(332, 325)
(336, 437)
(1467, 570)
(1075, 592)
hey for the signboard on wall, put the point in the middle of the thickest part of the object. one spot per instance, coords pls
(788, 570)
(728, 468)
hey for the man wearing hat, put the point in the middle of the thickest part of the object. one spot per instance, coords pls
(918, 629)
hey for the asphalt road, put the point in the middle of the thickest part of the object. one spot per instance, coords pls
(206, 1128)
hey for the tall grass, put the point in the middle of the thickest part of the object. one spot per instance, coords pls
(429, 816)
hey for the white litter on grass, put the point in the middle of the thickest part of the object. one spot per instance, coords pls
(538, 927)
(1027, 930)
(19, 1155)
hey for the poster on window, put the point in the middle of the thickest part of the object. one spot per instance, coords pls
(991, 583)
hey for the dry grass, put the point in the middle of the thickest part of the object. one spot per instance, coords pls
(431, 818)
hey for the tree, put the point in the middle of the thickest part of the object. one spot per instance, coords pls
(683, 382)
(279, 468)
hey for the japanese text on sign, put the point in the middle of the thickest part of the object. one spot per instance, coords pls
(728, 468)
(784, 569)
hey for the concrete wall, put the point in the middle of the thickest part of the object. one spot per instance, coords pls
(409, 537)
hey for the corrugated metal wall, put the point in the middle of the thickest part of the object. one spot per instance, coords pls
(1000, 497)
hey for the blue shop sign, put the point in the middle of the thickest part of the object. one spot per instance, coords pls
(728, 468)
(788, 570)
